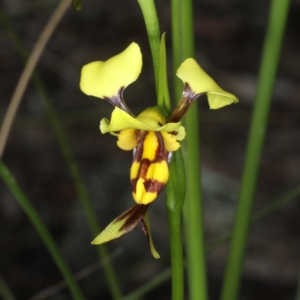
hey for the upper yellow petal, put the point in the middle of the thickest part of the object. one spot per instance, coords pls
(104, 79)
(200, 82)
(121, 120)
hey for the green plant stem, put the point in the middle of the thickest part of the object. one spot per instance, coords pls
(270, 57)
(183, 47)
(221, 240)
(70, 160)
(42, 230)
(153, 31)
(176, 184)
(174, 218)
(176, 188)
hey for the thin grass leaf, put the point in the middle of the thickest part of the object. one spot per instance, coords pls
(69, 158)
(269, 63)
(42, 231)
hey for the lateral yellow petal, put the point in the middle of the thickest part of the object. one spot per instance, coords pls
(127, 139)
(170, 142)
(104, 79)
(120, 120)
(200, 82)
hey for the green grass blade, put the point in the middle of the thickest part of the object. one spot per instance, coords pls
(270, 57)
(42, 230)
(69, 158)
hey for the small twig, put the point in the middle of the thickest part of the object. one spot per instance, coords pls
(28, 70)
(78, 276)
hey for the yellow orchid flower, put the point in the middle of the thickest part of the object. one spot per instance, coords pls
(151, 135)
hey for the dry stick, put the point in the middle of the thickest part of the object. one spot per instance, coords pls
(48, 292)
(28, 70)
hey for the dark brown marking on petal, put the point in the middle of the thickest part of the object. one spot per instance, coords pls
(134, 216)
(140, 136)
(161, 152)
(133, 184)
(173, 132)
(145, 230)
(118, 101)
(153, 186)
(144, 166)
(185, 103)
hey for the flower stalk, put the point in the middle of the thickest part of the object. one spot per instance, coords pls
(183, 47)
(176, 188)
(152, 25)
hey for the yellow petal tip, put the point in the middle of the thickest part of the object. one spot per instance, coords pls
(105, 79)
(201, 83)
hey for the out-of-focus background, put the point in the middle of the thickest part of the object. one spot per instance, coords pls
(229, 38)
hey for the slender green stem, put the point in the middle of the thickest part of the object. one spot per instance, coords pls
(176, 188)
(42, 230)
(270, 57)
(176, 184)
(174, 201)
(183, 47)
(174, 219)
(70, 160)
(221, 240)
(152, 25)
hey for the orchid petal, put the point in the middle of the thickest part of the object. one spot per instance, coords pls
(120, 120)
(123, 224)
(145, 222)
(105, 79)
(170, 142)
(200, 83)
(127, 139)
